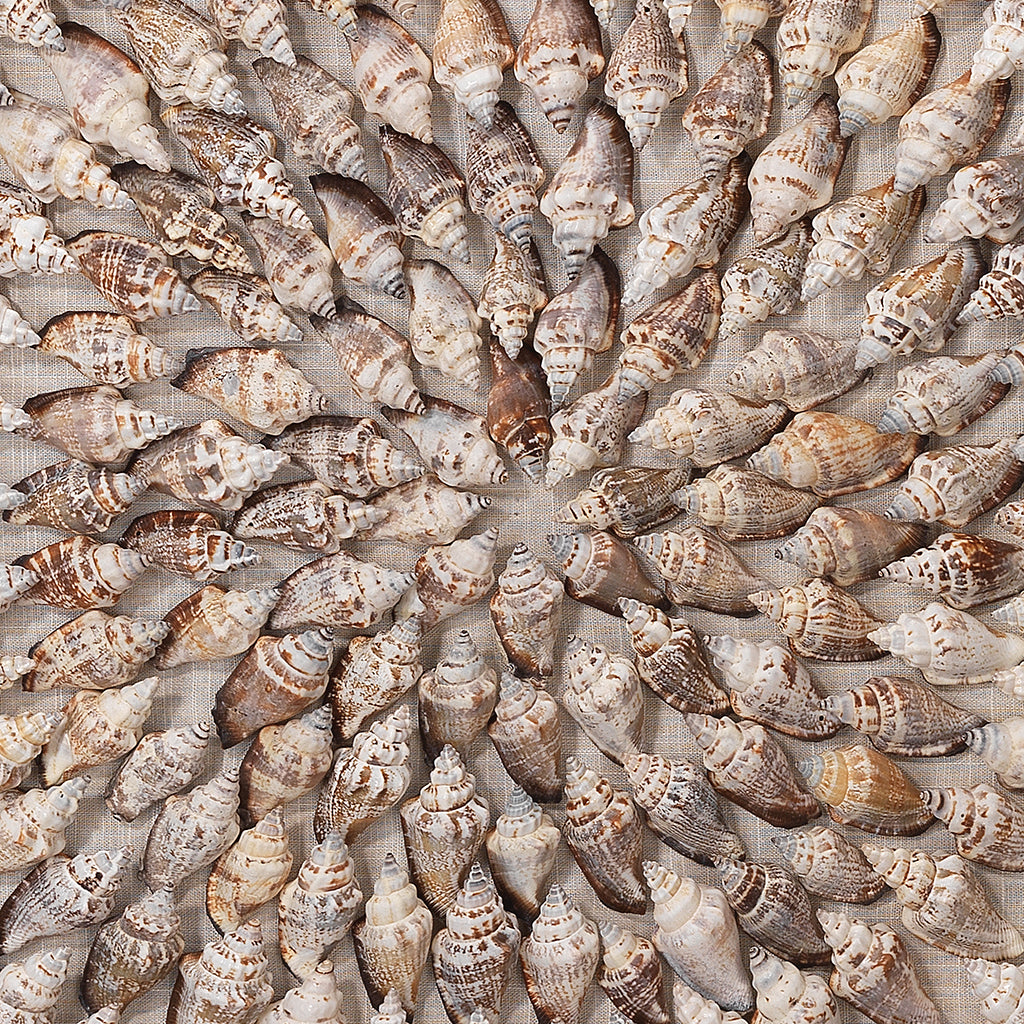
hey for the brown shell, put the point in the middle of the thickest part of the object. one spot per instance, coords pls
(518, 406)
(423, 512)
(187, 543)
(829, 865)
(246, 303)
(513, 292)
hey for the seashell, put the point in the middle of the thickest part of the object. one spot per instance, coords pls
(747, 766)
(10, 499)
(700, 570)
(947, 127)
(513, 292)
(260, 25)
(316, 909)
(133, 953)
(444, 328)
(45, 153)
(829, 865)
(599, 570)
(472, 49)
(517, 408)
(773, 908)
(521, 852)
(473, 954)
(296, 263)
(392, 942)
(690, 1006)
(558, 56)
(696, 933)
(865, 788)
(391, 1010)
(1008, 518)
(252, 872)
(986, 825)
(999, 52)
(246, 304)
(15, 330)
(742, 18)
(62, 894)
(162, 764)
(998, 986)
(999, 745)
(670, 337)
(33, 24)
(680, 806)
(743, 505)
(689, 228)
(28, 243)
(444, 827)
(12, 418)
(983, 200)
(32, 824)
(19, 579)
(279, 678)
(22, 737)
(314, 113)
(29, 990)
(886, 78)
(831, 454)
(77, 573)
(647, 71)
(187, 543)
(214, 623)
(192, 830)
(767, 684)
(229, 981)
(367, 779)
(182, 54)
(391, 73)
(592, 190)
(787, 995)
(317, 1000)
(422, 512)
(235, 156)
(283, 763)
(630, 975)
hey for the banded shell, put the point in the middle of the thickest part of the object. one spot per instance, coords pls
(690, 1005)
(392, 943)
(421, 512)
(998, 986)
(646, 71)
(986, 825)
(296, 263)
(444, 328)
(162, 764)
(245, 302)
(787, 995)
(317, 1000)
(521, 852)
(865, 788)
(18, 579)
(689, 228)
(260, 25)
(187, 543)
(742, 18)
(32, 23)
(314, 113)
(918, 307)
(135, 276)
(630, 975)
(947, 127)
(77, 573)
(316, 909)
(592, 190)
(999, 745)
(829, 865)
(15, 330)
(513, 292)
(998, 296)
(983, 199)
(886, 78)
(28, 243)
(22, 737)
(517, 407)
(33, 822)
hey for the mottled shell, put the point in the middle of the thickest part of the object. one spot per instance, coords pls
(986, 825)
(245, 302)
(317, 1000)
(33, 823)
(260, 25)
(999, 745)
(983, 199)
(787, 995)
(630, 975)
(187, 543)
(28, 243)
(999, 987)
(22, 738)
(513, 293)
(742, 18)
(829, 865)
(31, 23)
(518, 406)
(76, 573)
(297, 264)
(420, 512)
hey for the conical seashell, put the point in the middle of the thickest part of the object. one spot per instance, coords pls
(999, 52)
(829, 865)
(182, 54)
(29, 991)
(22, 737)
(986, 825)
(422, 512)
(33, 24)
(316, 910)
(392, 942)
(133, 953)
(32, 823)
(367, 779)
(984, 199)
(917, 308)
(742, 18)
(214, 623)
(229, 981)
(999, 987)
(689, 228)
(999, 745)
(337, 592)
(630, 975)
(314, 113)
(513, 293)
(797, 172)
(697, 934)
(391, 1011)
(188, 543)
(1010, 369)
(260, 25)
(592, 190)
(787, 995)
(15, 330)
(28, 243)
(162, 764)
(297, 264)
(246, 304)
(947, 127)
(391, 73)
(681, 806)
(317, 1000)
(235, 156)
(521, 852)
(76, 573)
(518, 405)
(646, 71)
(192, 830)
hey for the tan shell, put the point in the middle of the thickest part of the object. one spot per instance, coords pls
(787, 995)
(15, 330)
(422, 512)
(1008, 517)
(22, 738)
(742, 18)
(986, 825)
(630, 975)
(999, 295)
(32, 824)
(245, 302)
(998, 986)
(317, 1000)
(983, 200)
(261, 25)
(296, 263)
(32, 23)
(28, 244)
(999, 53)
(76, 573)
(829, 865)
(188, 543)
(999, 745)
(518, 406)
(513, 293)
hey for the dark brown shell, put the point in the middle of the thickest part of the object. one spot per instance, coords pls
(518, 408)
(188, 543)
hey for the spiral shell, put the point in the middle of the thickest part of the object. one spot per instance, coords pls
(15, 330)
(317, 1000)
(517, 408)
(742, 18)
(999, 295)
(296, 263)
(417, 513)
(999, 988)
(999, 745)
(513, 292)
(787, 995)
(986, 825)
(260, 25)
(246, 304)
(31, 23)
(22, 737)
(829, 865)
(32, 824)
(76, 573)
(28, 244)
(630, 975)
(187, 543)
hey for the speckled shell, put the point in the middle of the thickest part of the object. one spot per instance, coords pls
(32, 23)
(133, 275)
(787, 995)
(246, 304)
(999, 987)
(421, 512)
(796, 173)
(999, 745)
(317, 1000)
(391, 73)
(1009, 518)
(214, 623)
(188, 543)
(517, 408)
(592, 190)
(630, 975)
(1000, 51)
(731, 109)
(260, 25)
(886, 78)
(32, 824)
(182, 54)
(646, 71)
(22, 737)
(829, 865)
(162, 764)
(77, 573)
(296, 263)
(392, 942)
(689, 228)
(28, 243)
(947, 127)
(865, 788)
(710, 426)
(1000, 294)
(514, 292)
(133, 953)
(860, 234)
(15, 330)
(368, 778)
(986, 825)
(983, 199)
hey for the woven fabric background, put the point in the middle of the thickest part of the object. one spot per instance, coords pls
(523, 512)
